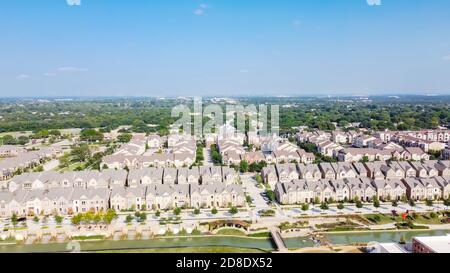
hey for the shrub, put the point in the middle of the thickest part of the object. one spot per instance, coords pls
(377, 218)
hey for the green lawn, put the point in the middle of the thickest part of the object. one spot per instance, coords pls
(265, 234)
(84, 238)
(427, 220)
(210, 249)
(387, 219)
(231, 231)
(383, 219)
(72, 167)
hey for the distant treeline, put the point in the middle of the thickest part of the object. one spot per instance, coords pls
(377, 113)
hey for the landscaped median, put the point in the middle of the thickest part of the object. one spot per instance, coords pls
(89, 238)
(410, 220)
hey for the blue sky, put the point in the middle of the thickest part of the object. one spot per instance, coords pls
(224, 47)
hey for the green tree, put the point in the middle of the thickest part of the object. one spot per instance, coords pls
(447, 202)
(97, 218)
(395, 203)
(177, 211)
(124, 138)
(91, 135)
(8, 140)
(412, 203)
(196, 211)
(233, 210)
(259, 179)
(109, 216)
(324, 206)
(359, 204)
(88, 217)
(142, 216)
(58, 219)
(22, 140)
(36, 219)
(81, 153)
(56, 133)
(64, 161)
(404, 199)
(316, 200)
(214, 211)
(243, 166)
(429, 202)
(270, 195)
(340, 206)
(376, 202)
(129, 219)
(305, 207)
(14, 219)
(76, 219)
(39, 169)
(157, 213)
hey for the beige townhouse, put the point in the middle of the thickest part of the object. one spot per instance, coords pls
(309, 171)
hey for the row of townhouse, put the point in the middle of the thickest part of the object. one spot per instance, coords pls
(307, 191)
(430, 135)
(11, 150)
(62, 201)
(328, 143)
(412, 141)
(229, 132)
(69, 201)
(427, 188)
(372, 154)
(343, 137)
(366, 141)
(155, 160)
(195, 175)
(266, 143)
(174, 139)
(136, 146)
(233, 153)
(88, 179)
(365, 189)
(180, 154)
(156, 197)
(110, 179)
(22, 161)
(313, 137)
(340, 170)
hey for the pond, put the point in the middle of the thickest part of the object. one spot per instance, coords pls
(264, 244)
(381, 237)
(229, 241)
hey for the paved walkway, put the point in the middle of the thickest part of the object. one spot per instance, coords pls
(275, 232)
(52, 164)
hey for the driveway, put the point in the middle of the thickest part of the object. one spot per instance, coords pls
(52, 164)
(250, 185)
(207, 155)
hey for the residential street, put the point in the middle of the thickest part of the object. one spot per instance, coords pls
(51, 165)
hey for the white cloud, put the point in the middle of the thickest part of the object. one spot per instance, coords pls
(296, 23)
(71, 69)
(446, 58)
(243, 70)
(201, 10)
(73, 2)
(23, 77)
(49, 74)
(374, 2)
